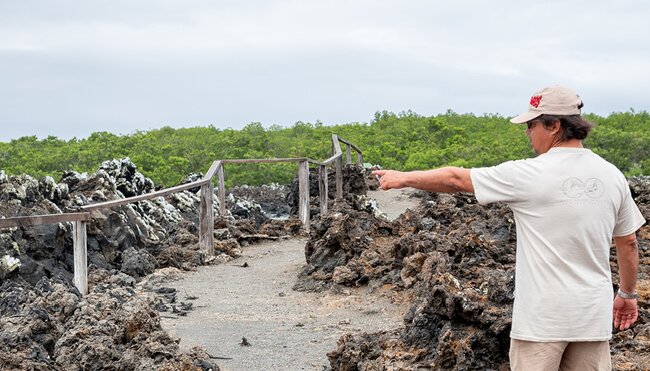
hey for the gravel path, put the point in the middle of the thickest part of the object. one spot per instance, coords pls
(286, 330)
(395, 201)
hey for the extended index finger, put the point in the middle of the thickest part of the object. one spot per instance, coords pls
(378, 172)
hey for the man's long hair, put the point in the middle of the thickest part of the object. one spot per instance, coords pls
(574, 126)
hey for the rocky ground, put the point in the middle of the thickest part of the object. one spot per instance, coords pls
(450, 258)
(46, 324)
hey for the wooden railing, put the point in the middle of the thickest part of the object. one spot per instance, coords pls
(206, 216)
(78, 237)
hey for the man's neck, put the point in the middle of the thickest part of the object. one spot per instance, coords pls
(571, 143)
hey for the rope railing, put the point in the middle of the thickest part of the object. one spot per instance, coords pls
(206, 215)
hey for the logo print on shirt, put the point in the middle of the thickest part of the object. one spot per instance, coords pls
(576, 188)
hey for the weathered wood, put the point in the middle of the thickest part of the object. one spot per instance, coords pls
(212, 170)
(339, 178)
(222, 191)
(263, 160)
(351, 144)
(329, 160)
(336, 147)
(24, 221)
(146, 196)
(322, 188)
(314, 162)
(348, 151)
(80, 256)
(303, 194)
(206, 220)
(349, 147)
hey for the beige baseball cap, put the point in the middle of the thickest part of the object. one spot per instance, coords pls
(554, 100)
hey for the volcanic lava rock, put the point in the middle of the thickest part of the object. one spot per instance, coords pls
(345, 247)
(50, 327)
(45, 324)
(127, 179)
(244, 209)
(640, 188)
(271, 200)
(192, 177)
(137, 263)
(46, 250)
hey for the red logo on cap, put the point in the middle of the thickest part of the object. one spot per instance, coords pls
(535, 100)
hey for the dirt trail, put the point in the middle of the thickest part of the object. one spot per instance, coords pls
(287, 330)
(395, 201)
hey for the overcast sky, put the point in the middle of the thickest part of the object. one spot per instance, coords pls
(70, 68)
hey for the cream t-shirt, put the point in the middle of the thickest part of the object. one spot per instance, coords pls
(567, 204)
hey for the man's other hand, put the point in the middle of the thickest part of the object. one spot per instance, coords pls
(625, 312)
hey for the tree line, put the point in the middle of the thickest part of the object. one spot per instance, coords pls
(404, 141)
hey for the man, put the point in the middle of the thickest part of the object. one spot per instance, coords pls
(568, 203)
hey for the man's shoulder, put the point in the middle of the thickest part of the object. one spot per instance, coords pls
(606, 165)
(515, 164)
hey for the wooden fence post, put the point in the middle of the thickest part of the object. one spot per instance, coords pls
(322, 188)
(359, 158)
(339, 177)
(222, 192)
(80, 256)
(348, 151)
(303, 194)
(206, 219)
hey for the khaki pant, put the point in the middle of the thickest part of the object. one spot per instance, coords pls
(559, 355)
